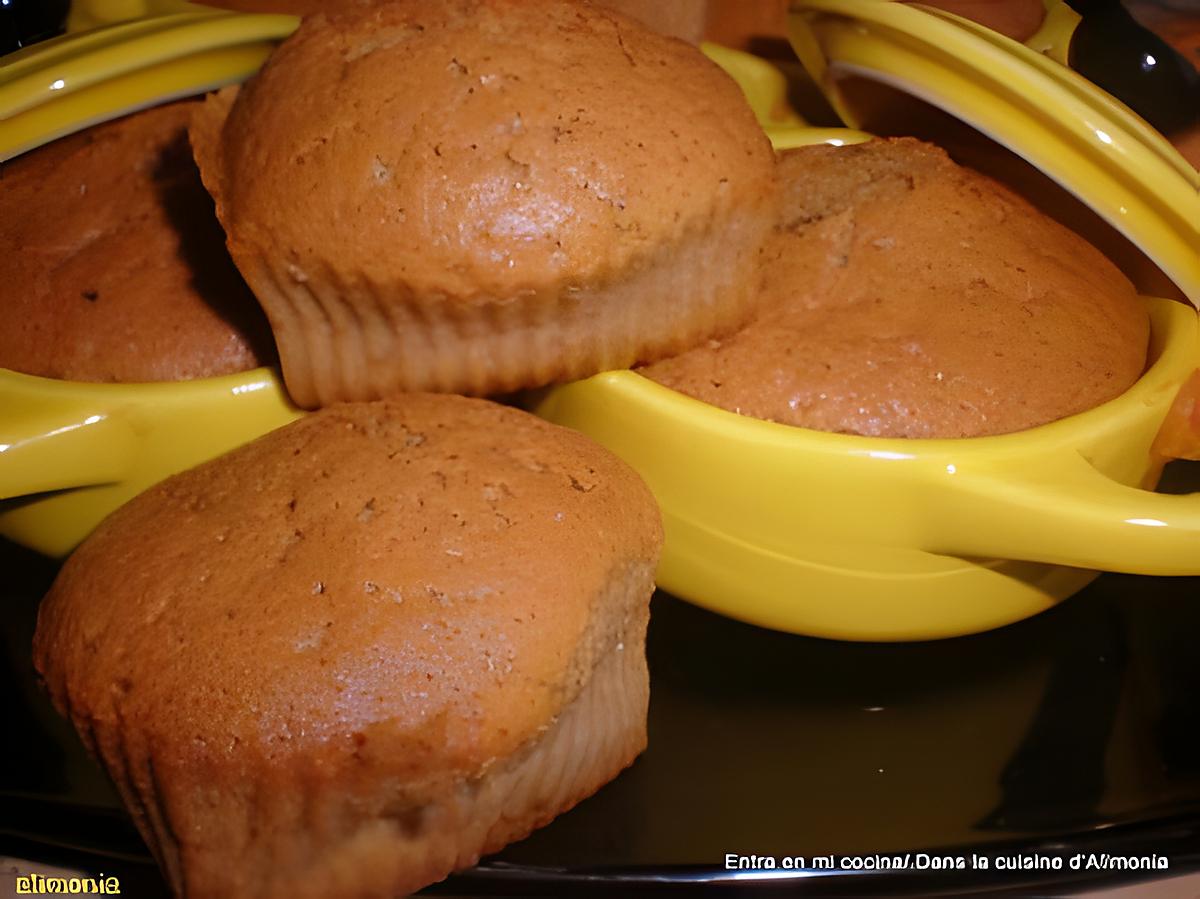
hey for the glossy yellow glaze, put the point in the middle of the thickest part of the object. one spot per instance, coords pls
(891, 539)
(1053, 38)
(764, 85)
(85, 15)
(1077, 134)
(765, 88)
(79, 79)
(70, 452)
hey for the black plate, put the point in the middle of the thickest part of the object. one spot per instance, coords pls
(1075, 731)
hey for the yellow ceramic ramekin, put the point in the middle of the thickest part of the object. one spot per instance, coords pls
(818, 533)
(70, 452)
(892, 539)
(125, 55)
(871, 539)
(1077, 134)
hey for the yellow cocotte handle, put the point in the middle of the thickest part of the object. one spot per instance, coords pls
(1071, 503)
(1072, 514)
(174, 50)
(54, 450)
(112, 441)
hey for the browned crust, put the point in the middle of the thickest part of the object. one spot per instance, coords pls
(910, 297)
(114, 267)
(301, 831)
(323, 650)
(492, 189)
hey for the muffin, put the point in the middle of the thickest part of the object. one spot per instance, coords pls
(352, 656)
(288, 7)
(115, 267)
(484, 195)
(681, 18)
(910, 297)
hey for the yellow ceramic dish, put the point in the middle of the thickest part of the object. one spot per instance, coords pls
(1053, 38)
(70, 453)
(869, 539)
(175, 49)
(1074, 132)
(890, 539)
(756, 513)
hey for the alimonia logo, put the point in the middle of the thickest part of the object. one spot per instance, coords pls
(38, 885)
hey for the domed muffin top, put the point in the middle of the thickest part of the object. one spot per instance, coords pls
(907, 296)
(114, 267)
(424, 577)
(477, 147)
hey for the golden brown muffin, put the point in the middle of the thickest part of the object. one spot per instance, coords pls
(684, 19)
(114, 267)
(352, 656)
(910, 297)
(482, 195)
(680, 18)
(287, 7)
